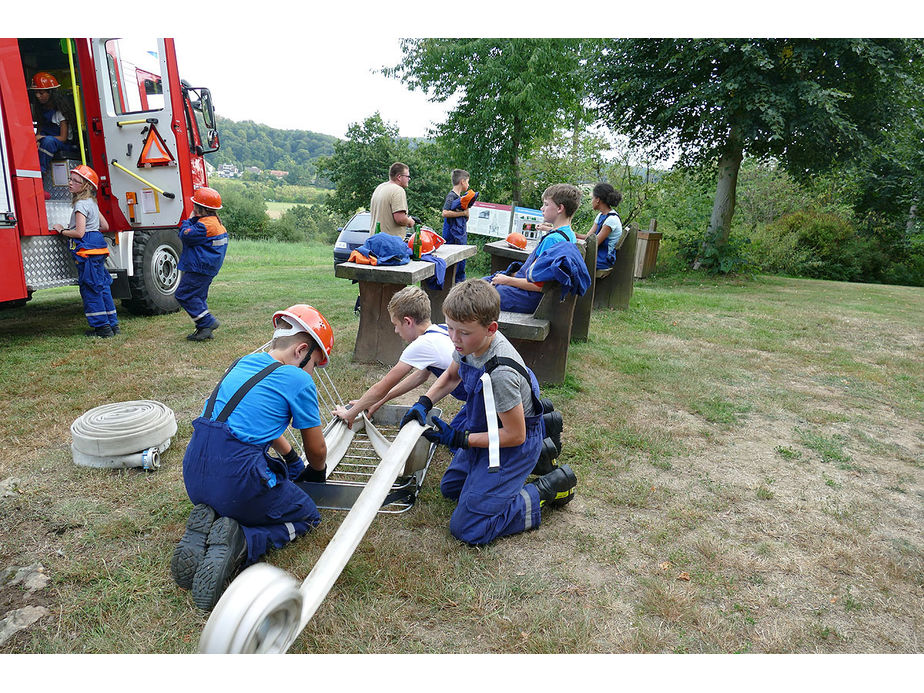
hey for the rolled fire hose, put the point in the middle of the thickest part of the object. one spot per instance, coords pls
(122, 435)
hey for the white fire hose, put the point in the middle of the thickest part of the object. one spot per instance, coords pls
(264, 609)
(123, 435)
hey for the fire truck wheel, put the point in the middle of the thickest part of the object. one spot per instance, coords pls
(156, 255)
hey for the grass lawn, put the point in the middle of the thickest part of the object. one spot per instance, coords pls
(750, 457)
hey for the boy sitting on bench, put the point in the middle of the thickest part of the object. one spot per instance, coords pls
(520, 293)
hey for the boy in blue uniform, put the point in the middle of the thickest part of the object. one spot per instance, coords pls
(517, 292)
(205, 242)
(245, 500)
(429, 351)
(497, 445)
(455, 215)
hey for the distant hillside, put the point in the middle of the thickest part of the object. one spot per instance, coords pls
(248, 143)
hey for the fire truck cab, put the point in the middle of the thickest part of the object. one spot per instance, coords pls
(138, 125)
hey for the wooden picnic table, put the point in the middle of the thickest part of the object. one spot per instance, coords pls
(376, 340)
(502, 254)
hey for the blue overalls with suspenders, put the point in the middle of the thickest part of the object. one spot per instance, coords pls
(492, 500)
(242, 481)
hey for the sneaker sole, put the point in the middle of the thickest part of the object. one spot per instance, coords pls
(190, 550)
(226, 551)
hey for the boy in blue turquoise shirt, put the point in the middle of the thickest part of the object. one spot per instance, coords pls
(247, 501)
(517, 292)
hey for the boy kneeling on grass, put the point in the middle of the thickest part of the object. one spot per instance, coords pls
(246, 501)
(429, 350)
(498, 441)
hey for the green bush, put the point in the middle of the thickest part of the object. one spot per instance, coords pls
(808, 243)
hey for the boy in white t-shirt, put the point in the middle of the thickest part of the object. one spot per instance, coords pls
(429, 350)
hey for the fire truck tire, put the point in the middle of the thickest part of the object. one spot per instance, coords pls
(155, 255)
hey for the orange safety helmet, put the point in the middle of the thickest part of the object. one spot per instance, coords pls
(44, 80)
(207, 197)
(468, 198)
(88, 174)
(430, 240)
(305, 318)
(517, 240)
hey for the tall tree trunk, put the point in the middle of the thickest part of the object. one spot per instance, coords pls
(723, 207)
(515, 158)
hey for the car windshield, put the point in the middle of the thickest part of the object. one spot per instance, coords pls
(358, 223)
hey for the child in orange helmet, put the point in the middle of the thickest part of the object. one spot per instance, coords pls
(205, 242)
(247, 501)
(89, 248)
(51, 113)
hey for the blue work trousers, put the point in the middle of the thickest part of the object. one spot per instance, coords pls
(94, 282)
(192, 293)
(241, 481)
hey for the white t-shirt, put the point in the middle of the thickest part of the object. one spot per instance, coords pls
(432, 348)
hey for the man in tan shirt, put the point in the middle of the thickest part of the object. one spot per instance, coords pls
(389, 202)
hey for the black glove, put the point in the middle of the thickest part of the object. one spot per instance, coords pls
(444, 434)
(317, 476)
(293, 462)
(418, 412)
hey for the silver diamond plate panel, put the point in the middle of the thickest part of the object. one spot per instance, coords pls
(47, 262)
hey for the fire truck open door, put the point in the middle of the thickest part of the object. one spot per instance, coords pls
(7, 212)
(137, 121)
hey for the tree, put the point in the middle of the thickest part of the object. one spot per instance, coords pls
(361, 161)
(512, 95)
(807, 103)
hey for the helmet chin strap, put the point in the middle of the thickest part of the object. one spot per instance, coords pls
(308, 355)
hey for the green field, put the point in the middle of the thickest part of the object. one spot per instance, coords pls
(750, 457)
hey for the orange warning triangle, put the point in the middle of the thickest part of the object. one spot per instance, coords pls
(154, 152)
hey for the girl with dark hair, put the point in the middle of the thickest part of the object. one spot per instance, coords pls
(607, 226)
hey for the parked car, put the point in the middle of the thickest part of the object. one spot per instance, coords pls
(353, 235)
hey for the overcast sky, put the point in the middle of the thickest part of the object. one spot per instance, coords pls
(312, 66)
(324, 88)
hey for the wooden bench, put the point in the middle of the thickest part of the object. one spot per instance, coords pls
(585, 303)
(613, 286)
(542, 338)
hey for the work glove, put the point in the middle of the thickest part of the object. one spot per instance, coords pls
(444, 434)
(294, 463)
(418, 412)
(317, 476)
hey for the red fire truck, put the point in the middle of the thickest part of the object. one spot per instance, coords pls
(139, 126)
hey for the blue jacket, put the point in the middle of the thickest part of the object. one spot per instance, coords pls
(563, 263)
(387, 249)
(205, 242)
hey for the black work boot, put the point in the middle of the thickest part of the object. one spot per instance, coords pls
(203, 333)
(190, 550)
(546, 462)
(554, 425)
(227, 549)
(104, 331)
(557, 487)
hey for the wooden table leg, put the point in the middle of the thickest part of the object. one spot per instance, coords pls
(376, 341)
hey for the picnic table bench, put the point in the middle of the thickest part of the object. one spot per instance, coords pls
(376, 341)
(613, 286)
